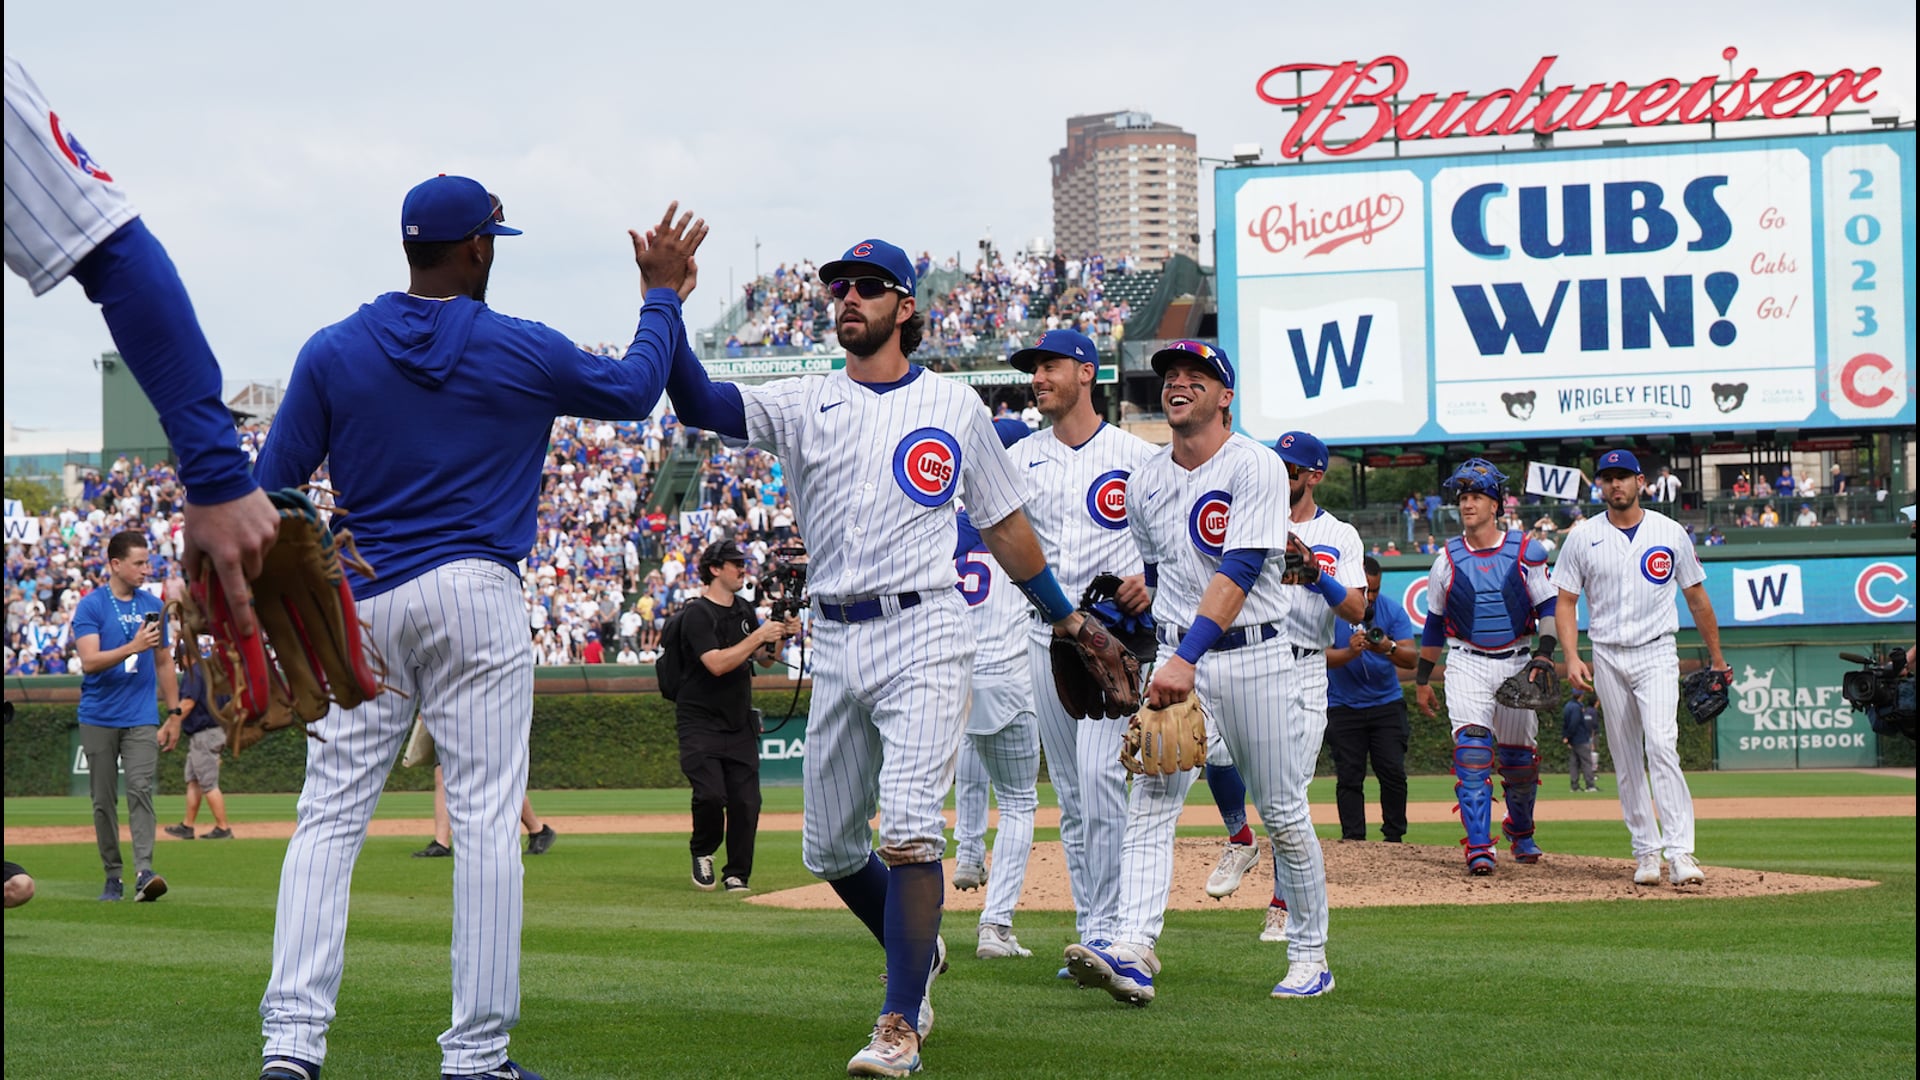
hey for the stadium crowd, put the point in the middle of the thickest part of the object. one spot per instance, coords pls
(588, 599)
(998, 306)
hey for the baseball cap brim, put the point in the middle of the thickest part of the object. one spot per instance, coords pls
(855, 268)
(1028, 359)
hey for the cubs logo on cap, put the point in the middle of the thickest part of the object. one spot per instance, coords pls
(1209, 356)
(872, 258)
(1617, 459)
(1207, 522)
(926, 465)
(1303, 450)
(1656, 565)
(1107, 500)
(1071, 344)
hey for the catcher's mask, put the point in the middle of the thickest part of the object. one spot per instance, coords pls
(1477, 475)
(718, 554)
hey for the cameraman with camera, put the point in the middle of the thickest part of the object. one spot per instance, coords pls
(1883, 689)
(713, 714)
(1367, 712)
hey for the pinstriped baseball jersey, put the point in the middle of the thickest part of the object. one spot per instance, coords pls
(1186, 520)
(1336, 545)
(873, 471)
(1077, 500)
(1629, 581)
(998, 613)
(60, 203)
(1533, 561)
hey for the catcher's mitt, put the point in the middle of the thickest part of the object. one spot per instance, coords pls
(1160, 742)
(1093, 675)
(1302, 565)
(1705, 692)
(1533, 687)
(1101, 598)
(306, 614)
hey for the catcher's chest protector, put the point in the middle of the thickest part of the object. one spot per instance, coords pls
(1487, 603)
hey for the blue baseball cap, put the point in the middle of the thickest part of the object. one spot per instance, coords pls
(1071, 344)
(1010, 430)
(1208, 356)
(872, 258)
(451, 208)
(1302, 449)
(1617, 459)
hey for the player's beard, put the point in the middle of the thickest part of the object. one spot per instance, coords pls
(865, 337)
(1061, 401)
(1297, 491)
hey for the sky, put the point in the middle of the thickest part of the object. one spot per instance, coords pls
(269, 147)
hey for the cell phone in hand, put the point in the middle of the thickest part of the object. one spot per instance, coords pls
(151, 618)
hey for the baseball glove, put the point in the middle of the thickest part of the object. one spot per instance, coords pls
(1093, 675)
(1101, 598)
(1533, 687)
(1302, 566)
(305, 609)
(1705, 692)
(1161, 742)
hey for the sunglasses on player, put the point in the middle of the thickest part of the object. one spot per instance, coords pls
(869, 288)
(497, 215)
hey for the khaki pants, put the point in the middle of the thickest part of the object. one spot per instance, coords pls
(108, 750)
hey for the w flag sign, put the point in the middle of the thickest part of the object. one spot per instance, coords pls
(1553, 481)
(1765, 592)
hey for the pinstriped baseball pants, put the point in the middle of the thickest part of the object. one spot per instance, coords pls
(1639, 690)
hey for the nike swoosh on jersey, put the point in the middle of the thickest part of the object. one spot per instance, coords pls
(834, 405)
(1152, 493)
(1036, 464)
(1596, 543)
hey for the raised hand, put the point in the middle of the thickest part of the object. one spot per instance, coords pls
(665, 253)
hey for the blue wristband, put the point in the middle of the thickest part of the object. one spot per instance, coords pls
(1199, 639)
(1043, 591)
(1332, 590)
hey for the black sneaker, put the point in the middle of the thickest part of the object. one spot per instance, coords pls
(217, 833)
(539, 842)
(148, 887)
(182, 831)
(703, 872)
(735, 883)
(434, 850)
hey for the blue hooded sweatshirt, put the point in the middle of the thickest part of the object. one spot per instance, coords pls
(434, 418)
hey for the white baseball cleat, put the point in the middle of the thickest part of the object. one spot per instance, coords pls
(1682, 870)
(1276, 928)
(1233, 865)
(924, 1026)
(967, 878)
(1305, 979)
(998, 943)
(1124, 971)
(1646, 870)
(894, 1050)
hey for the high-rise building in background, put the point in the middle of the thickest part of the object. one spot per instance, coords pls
(1124, 185)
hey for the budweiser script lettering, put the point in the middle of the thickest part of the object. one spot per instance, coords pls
(1363, 93)
(1282, 228)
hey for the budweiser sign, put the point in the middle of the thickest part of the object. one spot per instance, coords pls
(1352, 93)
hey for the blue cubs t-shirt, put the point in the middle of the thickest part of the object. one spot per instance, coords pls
(1369, 679)
(118, 697)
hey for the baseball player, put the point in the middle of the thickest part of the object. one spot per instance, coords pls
(434, 414)
(1077, 474)
(1628, 566)
(1210, 519)
(1002, 748)
(66, 217)
(1485, 595)
(874, 455)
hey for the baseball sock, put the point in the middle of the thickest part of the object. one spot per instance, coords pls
(913, 921)
(865, 893)
(1230, 795)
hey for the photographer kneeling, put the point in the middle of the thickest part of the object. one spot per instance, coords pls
(713, 713)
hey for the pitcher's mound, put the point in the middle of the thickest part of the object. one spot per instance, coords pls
(1375, 874)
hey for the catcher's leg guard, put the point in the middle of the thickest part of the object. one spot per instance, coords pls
(1473, 787)
(1519, 780)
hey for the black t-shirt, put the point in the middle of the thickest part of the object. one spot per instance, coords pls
(716, 702)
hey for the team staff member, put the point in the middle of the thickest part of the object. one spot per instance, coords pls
(434, 413)
(1367, 713)
(66, 217)
(1577, 726)
(1629, 566)
(205, 739)
(121, 636)
(713, 714)
(874, 456)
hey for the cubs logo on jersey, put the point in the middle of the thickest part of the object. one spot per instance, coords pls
(77, 155)
(1207, 522)
(1327, 557)
(1107, 500)
(1656, 565)
(926, 465)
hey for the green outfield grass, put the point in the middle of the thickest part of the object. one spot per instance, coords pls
(630, 973)
(419, 804)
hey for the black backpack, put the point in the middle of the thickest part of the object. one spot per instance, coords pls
(670, 667)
